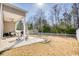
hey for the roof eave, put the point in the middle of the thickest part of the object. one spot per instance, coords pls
(13, 6)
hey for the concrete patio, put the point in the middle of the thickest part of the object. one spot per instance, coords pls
(13, 43)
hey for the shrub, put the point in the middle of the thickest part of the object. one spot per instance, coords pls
(68, 30)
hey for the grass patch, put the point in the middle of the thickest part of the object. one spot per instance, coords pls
(59, 46)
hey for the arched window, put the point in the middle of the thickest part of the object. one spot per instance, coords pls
(19, 26)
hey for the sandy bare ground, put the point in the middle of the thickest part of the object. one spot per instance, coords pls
(58, 45)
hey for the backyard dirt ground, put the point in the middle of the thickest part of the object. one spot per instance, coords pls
(58, 46)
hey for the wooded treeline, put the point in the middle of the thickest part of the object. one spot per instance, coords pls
(67, 23)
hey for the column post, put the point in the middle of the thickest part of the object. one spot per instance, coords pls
(25, 30)
(1, 20)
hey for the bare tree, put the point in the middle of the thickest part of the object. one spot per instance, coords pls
(67, 18)
(52, 16)
(55, 12)
(40, 17)
(78, 14)
(74, 13)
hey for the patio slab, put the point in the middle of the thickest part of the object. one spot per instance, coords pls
(9, 43)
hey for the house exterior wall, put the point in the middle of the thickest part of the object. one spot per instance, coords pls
(9, 27)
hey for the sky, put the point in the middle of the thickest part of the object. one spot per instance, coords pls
(33, 7)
